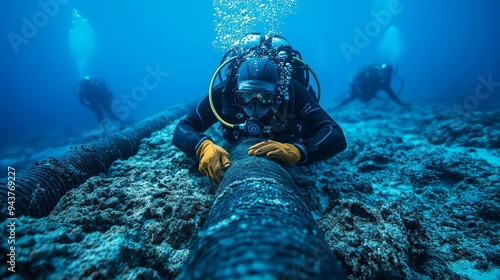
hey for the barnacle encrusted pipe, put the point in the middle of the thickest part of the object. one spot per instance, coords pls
(259, 227)
(39, 188)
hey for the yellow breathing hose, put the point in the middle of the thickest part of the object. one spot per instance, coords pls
(210, 90)
(314, 75)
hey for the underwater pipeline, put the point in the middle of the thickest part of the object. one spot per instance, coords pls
(39, 188)
(259, 228)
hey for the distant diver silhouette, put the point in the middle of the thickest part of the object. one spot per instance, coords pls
(369, 81)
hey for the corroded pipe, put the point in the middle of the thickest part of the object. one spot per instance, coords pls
(258, 227)
(39, 188)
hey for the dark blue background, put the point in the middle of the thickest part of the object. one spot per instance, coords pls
(446, 46)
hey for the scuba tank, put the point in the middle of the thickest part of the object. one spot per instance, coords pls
(290, 66)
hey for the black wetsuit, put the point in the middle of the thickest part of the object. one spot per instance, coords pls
(320, 135)
(368, 83)
(97, 98)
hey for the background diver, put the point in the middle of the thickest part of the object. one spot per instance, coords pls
(369, 81)
(292, 125)
(95, 94)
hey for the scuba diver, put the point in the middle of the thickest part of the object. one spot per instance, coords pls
(95, 94)
(369, 81)
(265, 95)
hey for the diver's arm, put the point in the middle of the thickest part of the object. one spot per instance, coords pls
(327, 137)
(352, 96)
(83, 100)
(188, 133)
(393, 96)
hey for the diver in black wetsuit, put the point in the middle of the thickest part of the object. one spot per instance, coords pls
(369, 81)
(96, 95)
(293, 126)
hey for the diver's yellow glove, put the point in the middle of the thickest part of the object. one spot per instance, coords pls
(284, 152)
(211, 157)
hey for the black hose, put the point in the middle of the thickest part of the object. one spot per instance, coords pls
(258, 228)
(402, 85)
(39, 188)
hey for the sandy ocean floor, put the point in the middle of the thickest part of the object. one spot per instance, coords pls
(415, 196)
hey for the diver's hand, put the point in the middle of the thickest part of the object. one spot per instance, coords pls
(284, 152)
(211, 157)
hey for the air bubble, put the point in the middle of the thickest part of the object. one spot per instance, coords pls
(233, 19)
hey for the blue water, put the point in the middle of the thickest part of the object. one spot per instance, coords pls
(445, 47)
(446, 52)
